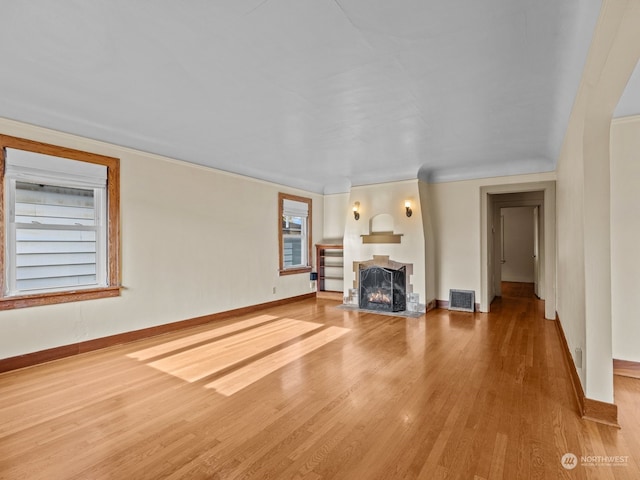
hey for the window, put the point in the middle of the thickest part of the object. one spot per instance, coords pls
(60, 224)
(294, 233)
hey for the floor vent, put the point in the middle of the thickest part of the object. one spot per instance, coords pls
(463, 300)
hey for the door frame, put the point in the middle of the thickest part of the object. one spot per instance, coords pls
(537, 211)
(548, 240)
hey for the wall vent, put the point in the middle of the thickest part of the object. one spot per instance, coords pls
(462, 300)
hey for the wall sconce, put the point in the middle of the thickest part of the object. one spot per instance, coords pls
(407, 206)
(356, 213)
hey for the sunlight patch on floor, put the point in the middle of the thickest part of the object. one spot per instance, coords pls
(204, 360)
(201, 355)
(244, 376)
(180, 343)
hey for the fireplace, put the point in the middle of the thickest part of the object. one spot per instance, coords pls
(382, 288)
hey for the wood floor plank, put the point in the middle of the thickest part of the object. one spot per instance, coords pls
(498, 457)
(447, 395)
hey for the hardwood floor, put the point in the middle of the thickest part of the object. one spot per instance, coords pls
(309, 391)
(517, 289)
(626, 368)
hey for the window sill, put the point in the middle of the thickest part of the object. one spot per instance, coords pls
(293, 271)
(23, 301)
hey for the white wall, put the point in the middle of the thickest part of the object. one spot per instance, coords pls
(336, 210)
(195, 241)
(570, 231)
(429, 241)
(455, 208)
(518, 244)
(583, 192)
(625, 237)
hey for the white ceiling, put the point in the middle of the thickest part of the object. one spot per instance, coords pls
(315, 94)
(629, 103)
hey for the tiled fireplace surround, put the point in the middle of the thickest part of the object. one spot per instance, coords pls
(384, 262)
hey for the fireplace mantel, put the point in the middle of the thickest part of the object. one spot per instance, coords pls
(382, 237)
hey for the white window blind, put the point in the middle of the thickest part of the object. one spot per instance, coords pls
(56, 227)
(294, 208)
(21, 164)
(294, 233)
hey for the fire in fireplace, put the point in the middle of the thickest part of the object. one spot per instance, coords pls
(382, 289)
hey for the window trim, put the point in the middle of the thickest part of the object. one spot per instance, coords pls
(281, 269)
(113, 227)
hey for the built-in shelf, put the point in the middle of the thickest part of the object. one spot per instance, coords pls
(330, 268)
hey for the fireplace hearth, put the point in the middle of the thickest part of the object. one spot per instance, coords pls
(382, 289)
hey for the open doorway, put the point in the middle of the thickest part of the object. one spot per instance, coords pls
(540, 197)
(518, 244)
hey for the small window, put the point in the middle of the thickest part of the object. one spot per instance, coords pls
(294, 231)
(60, 227)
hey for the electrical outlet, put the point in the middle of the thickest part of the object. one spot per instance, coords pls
(274, 290)
(578, 357)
